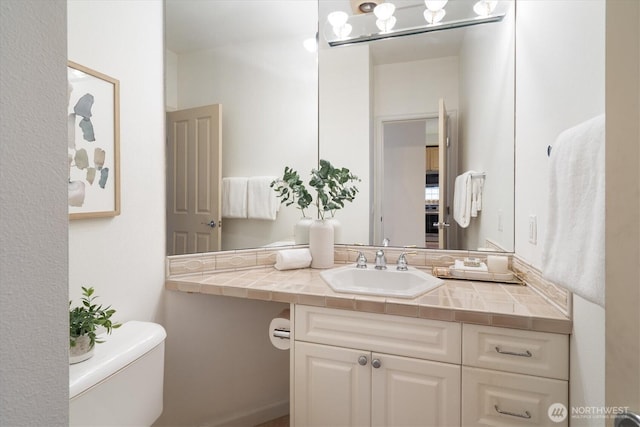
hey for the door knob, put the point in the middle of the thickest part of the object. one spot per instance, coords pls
(362, 360)
(211, 223)
(376, 363)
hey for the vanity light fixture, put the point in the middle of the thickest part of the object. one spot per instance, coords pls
(338, 21)
(485, 7)
(384, 12)
(405, 21)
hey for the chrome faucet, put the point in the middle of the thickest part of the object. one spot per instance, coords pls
(402, 262)
(381, 260)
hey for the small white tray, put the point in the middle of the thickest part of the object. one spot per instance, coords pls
(454, 273)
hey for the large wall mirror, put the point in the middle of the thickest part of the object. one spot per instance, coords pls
(374, 107)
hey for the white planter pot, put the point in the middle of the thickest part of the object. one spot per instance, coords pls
(321, 244)
(81, 351)
(337, 229)
(301, 231)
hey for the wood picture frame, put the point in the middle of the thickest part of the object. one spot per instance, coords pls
(93, 143)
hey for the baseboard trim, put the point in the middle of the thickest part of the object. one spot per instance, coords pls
(252, 417)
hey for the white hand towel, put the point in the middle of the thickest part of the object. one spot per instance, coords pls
(262, 201)
(234, 197)
(474, 198)
(573, 251)
(462, 199)
(459, 265)
(290, 259)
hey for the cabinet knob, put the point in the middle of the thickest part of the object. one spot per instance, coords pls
(376, 363)
(362, 360)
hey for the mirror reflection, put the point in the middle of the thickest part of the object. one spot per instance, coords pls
(384, 109)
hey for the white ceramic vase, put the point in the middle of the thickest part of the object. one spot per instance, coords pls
(337, 229)
(301, 231)
(321, 244)
(81, 351)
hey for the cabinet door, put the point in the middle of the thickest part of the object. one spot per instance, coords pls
(331, 387)
(412, 392)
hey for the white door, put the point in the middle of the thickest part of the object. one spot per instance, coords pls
(194, 176)
(412, 392)
(332, 386)
(443, 144)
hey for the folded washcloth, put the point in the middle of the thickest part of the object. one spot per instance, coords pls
(234, 197)
(459, 265)
(290, 259)
(262, 201)
(573, 251)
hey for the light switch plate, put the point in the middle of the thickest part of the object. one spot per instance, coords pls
(533, 230)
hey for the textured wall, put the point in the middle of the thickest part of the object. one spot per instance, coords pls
(34, 384)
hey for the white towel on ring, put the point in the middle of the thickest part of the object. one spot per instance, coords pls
(262, 200)
(462, 199)
(234, 197)
(574, 250)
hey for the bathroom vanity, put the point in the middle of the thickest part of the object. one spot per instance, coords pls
(467, 353)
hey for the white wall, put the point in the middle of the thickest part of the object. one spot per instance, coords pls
(212, 342)
(268, 92)
(34, 387)
(345, 129)
(560, 83)
(123, 257)
(486, 134)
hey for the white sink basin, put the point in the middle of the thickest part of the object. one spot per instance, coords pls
(389, 282)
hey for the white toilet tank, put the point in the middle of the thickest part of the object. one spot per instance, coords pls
(121, 385)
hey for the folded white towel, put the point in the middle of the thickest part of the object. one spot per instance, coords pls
(262, 201)
(290, 259)
(234, 197)
(462, 199)
(573, 251)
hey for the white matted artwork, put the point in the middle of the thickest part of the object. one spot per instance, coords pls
(93, 143)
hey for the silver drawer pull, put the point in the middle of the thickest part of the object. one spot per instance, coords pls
(526, 414)
(526, 353)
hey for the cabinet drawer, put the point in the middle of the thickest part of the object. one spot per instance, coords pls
(491, 398)
(526, 352)
(403, 336)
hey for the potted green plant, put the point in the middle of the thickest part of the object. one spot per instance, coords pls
(333, 186)
(84, 323)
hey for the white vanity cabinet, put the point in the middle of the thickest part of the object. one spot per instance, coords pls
(361, 369)
(512, 377)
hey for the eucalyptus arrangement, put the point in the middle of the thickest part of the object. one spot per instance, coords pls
(85, 320)
(332, 186)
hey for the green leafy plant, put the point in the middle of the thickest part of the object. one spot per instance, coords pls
(333, 187)
(87, 318)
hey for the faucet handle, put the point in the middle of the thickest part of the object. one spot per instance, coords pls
(361, 261)
(402, 264)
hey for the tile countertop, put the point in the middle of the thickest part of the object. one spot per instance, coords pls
(484, 303)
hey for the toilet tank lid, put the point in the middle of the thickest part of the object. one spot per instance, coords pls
(123, 346)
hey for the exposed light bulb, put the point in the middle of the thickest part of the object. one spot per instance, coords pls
(433, 17)
(311, 44)
(484, 7)
(386, 25)
(343, 31)
(435, 5)
(338, 18)
(384, 11)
